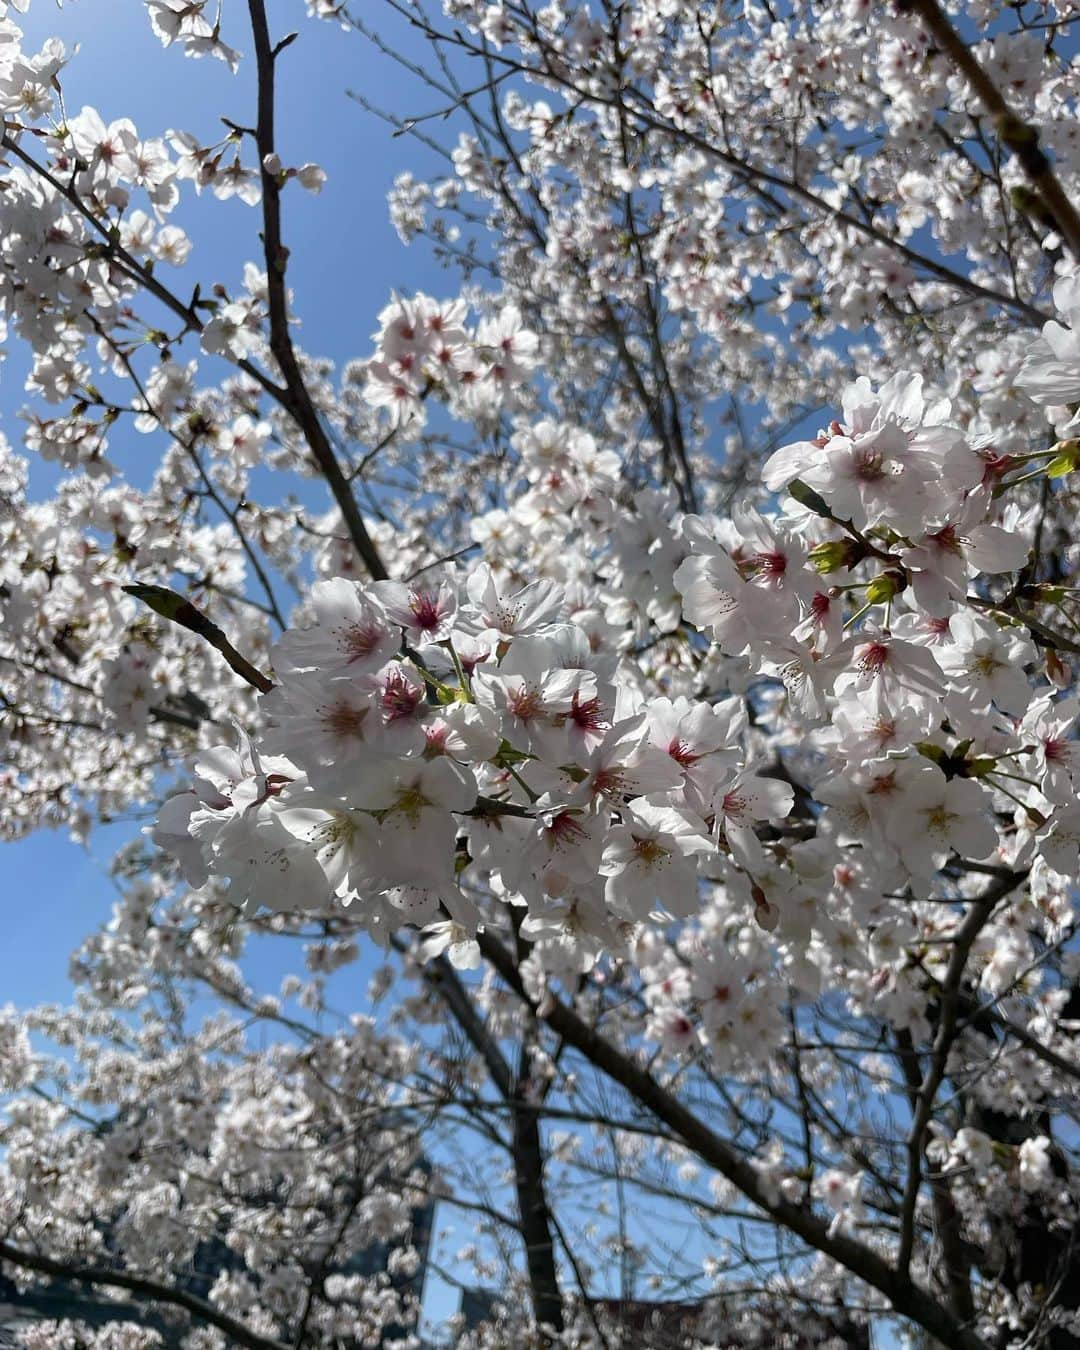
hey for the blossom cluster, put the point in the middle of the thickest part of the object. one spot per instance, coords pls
(756, 746)
(436, 745)
(423, 345)
(774, 248)
(412, 714)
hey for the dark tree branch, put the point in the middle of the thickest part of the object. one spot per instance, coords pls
(948, 1013)
(296, 398)
(144, 1288)
(905, 1296)
(526, 1145)
(1018, 136)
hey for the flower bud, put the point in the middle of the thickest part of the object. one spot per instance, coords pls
(884, 586)
(835, 554)
(1066, 458)
(1057, 672)
(766, 916)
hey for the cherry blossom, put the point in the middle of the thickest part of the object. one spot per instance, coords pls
(658, 653)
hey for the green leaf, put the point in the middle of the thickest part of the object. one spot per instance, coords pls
(806, 496)
(169, 604)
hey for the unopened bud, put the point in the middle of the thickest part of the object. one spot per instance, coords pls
(1066, 458)
(835, 554)
(766, 916)
(1056, 670)
(882, 589)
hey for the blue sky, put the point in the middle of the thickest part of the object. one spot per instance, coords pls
(345, 260)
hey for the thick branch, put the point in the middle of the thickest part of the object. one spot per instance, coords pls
(1020, 137)
(526, 1145)
(903, 1294)
(948, 1012)
(947, 1222)
(536, 1219)
(148, 1289)
(297, 399)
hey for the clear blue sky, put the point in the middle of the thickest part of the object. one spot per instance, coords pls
(345, 260)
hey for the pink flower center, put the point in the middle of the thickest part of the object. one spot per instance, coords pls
(874, 657)
(524, 703)
(883, 731)
(772, 564)
(610, 781)
(565, 830)
(345, 720)
(361, 640)
(400, 698)
(681, 753)
(883, 785)
(588, 716)
(649, 851)
(945, 539)
(424, 607)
